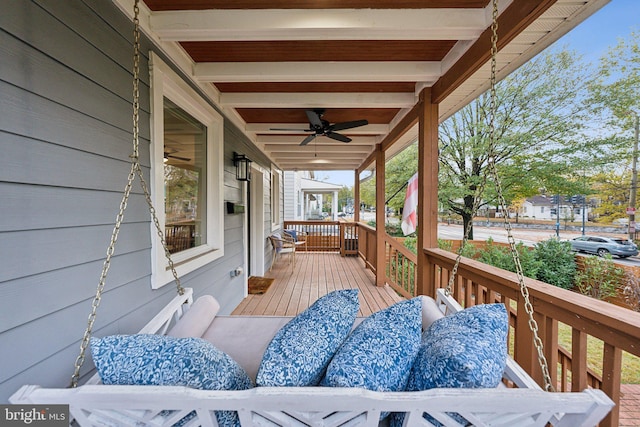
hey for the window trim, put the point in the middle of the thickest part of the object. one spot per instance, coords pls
(276, 182)
(166, 83)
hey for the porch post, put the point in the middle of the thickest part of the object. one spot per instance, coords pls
(334, 206)
(427, 191)
(380, 217)
(356, 196)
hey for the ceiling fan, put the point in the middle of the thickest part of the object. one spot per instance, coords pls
(170, 155)
(319, 126)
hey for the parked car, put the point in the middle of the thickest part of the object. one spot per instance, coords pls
(602, 246)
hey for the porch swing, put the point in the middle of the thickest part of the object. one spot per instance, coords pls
(96, 404)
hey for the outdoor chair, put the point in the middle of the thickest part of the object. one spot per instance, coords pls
(283, 244)
(299, 238)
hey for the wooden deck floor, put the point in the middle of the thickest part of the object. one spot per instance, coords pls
(315, 274)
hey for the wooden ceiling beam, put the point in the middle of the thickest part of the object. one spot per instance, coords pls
(323, 24)
(328, 71)
(318, 100)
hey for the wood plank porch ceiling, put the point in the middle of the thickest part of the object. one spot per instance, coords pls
(265, 63)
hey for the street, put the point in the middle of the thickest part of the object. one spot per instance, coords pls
(528, 237)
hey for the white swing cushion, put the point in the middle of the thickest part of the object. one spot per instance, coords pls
(300, 351)
(467, 349)
(430, 311)
(379, 352)
(197, 319)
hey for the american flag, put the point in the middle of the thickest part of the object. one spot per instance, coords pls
(409, 213)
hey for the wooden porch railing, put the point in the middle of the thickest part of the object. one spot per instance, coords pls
(479, 283)
(327, 236)
(367, 246)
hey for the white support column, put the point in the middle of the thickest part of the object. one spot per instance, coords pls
(334, 206)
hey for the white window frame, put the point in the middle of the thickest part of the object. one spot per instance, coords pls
(166, 83)
(276, 180)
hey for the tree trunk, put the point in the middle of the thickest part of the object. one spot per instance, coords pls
(467, 222)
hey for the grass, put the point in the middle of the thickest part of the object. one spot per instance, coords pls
(630, 364)
(630, 373)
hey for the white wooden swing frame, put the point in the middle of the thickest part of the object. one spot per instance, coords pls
(525, 404)
(94, 404)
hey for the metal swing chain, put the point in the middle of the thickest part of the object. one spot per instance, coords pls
(479, 190)
(135, 170)
(524, 290)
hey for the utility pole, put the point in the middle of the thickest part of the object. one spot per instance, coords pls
(634, 183)
(558, 217)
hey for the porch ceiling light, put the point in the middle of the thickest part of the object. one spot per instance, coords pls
(243, 167)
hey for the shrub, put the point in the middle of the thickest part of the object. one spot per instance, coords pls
(500, 256)
(447, 245)
(631, 292)
(410, 243)
(600, 278)
(558, 261)
(469, 251)
(394, 230)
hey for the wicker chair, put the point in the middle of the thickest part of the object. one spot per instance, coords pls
(283, 244)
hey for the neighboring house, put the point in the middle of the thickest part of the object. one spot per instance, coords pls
(304, 197)
(541, 207)
(538, 207)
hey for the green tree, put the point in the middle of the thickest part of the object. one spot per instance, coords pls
(399, 170)
(345, 197)
(616, 94)
(616, 91)
(612, 190)
(368, 191)
(538, 121)
(181, 192)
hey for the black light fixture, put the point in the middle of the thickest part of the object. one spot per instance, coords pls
(243, 167)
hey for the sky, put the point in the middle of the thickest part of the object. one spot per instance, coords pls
(592, 38)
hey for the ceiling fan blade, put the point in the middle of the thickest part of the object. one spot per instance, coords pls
(308, 139)
(349, 125)
(314, 118)
(185, 159)
(337, 137)
(292, 130)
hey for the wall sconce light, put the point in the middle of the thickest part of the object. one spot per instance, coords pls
(243, 167)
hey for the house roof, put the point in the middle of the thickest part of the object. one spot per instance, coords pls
(312, 185)
(265, 63)
(539, 201)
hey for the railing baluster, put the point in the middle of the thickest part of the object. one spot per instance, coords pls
(578, 360)
(550, 341)
(524, 351)
(468, 293)
(611, 369)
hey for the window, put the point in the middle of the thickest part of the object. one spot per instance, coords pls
(275, 198)
(187, 175)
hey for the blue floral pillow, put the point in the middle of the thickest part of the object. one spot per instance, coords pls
(147, 359)
(467, 349)
(378, 354)
(299, 353)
